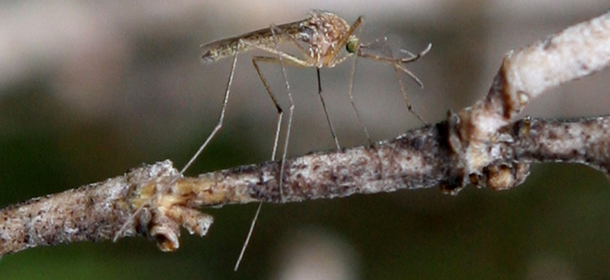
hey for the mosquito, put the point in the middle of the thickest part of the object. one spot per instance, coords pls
(319, 40)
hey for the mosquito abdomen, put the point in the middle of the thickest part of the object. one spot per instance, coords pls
(227, 47)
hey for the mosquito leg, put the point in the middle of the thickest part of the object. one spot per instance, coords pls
(255, 61)
(196, 155)
(403, 89)
(330, 124)
(292, 61)
(220, 118)
(351, 91)
(243, 248)
(351, 99)
(290, 114)
(300, 48)
(280, 112)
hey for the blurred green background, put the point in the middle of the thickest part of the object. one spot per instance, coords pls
(91, 89)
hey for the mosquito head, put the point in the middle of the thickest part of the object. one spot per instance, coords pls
(352, 44)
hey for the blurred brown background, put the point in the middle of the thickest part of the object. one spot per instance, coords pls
(91, 89)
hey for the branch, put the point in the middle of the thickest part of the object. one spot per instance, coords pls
(481, 145)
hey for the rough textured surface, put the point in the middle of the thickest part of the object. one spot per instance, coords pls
(418, 159)
(94, 212)
(88, 213)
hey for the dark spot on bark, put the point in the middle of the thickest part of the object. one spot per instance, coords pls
(548, 45)
(90, 202)
(333, 177)
(583, 66)
(418, 143)
(90, 237)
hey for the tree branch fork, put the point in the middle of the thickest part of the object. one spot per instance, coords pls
(482, 145)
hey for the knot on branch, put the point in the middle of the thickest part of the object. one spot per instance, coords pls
(161, 206)
(486, 161)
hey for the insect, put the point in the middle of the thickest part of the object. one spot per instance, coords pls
(320, 41)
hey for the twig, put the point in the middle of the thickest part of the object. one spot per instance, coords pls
(480, 145)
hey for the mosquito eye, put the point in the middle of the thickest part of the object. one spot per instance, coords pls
(352, 45)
